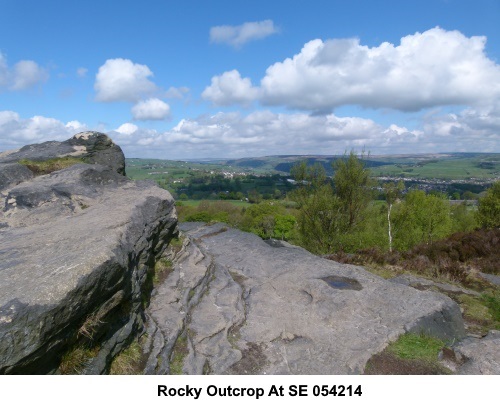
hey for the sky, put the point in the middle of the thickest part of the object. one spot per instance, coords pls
(228, 79)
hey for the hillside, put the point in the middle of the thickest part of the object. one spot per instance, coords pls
(450, 166)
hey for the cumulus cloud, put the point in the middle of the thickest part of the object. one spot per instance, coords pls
(150, 109)
(238, 35)
(127, 128)
(230, 88)
(470, 130)
(23, 75)
(232, 134)
(429, 69)
(16, 131)
(123, 80)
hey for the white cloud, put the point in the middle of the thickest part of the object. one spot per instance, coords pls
(259, 133)
(76, 126)
(23, 75)
(150, 109)
(268, 133)
(123, 80)
(238, 35)
(432, 68)
(16, 131)
(230, 88)
(429, 69)
(81, 72)
(127, 128)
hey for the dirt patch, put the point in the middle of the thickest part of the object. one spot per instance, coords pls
(389, 364)
(209, 235)
(252, 360)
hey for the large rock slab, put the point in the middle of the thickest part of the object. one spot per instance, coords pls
(77, 251)
(277, 309)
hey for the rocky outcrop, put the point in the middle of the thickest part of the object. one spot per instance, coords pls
(235, 304)
(91, 147)
(77, 251)
(475, 356)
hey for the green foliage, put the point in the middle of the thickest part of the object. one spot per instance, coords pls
(202, 216)
(331, 221)
(268, 220)
(463, 219)
(482, 312)
(421, 218)
(284, 226)
(352, 186)
(413, 346)
(50, 165)
(492, 302)
(488, 214)
(179, 352)
(128, 362)
(163, 268)
(320, 220)
(76, 359)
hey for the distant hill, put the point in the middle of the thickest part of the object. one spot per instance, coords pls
(449, 166)
(468, 167)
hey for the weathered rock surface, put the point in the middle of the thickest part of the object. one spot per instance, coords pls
(424, 284)
(475, 356)
(92, 147)
(77, 249)
(237, 305)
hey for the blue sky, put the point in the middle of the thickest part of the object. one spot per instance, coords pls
(198, 79)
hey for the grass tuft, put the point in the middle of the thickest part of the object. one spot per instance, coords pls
(163, 268)
(75, 360)
(178, 354)
(413, 346)
(50, 165)
(128, 362)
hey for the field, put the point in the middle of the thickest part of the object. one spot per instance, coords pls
(446, 168)
(195, 203)
(254, 179)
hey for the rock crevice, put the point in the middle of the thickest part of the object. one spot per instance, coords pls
(76, 250)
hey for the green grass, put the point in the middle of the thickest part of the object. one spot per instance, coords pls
(163, 267)
(417, 347)
(178, 354)
(128, 361)
(50, 165)
(195, 203)
(75, 360)
(449, 169)
(492, 302)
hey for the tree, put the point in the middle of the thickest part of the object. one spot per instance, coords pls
(421, 218)
(463, 219)
(488, 213)
(352, 186)
(392, 193)
(320, 213)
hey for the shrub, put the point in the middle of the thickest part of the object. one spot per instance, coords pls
(488, 213)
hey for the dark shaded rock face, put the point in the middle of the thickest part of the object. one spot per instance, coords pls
(77, 251)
